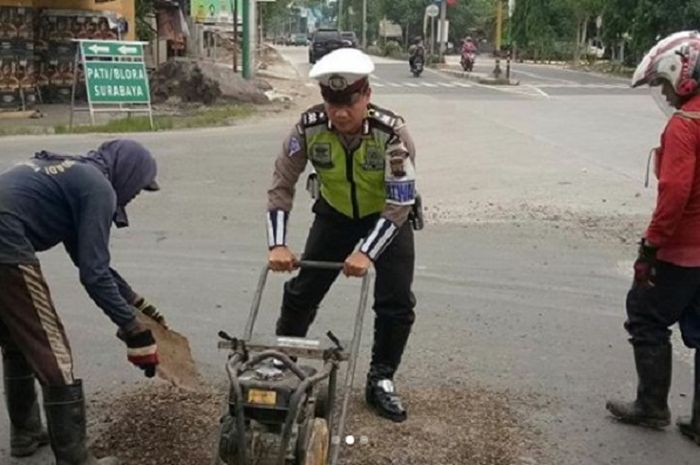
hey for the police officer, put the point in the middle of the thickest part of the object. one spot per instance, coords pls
(47, 200)
(666, 286)
(364, 159)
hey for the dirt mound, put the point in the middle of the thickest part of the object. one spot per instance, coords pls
(183, 81)
(188, 81)
(163, 425)
(160, 425)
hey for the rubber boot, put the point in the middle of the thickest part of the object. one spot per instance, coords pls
(690, 426)
(65, 415)
(650, 409)
(26, 431)
(390, 338)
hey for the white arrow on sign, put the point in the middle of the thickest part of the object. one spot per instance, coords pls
(124, 50)
(98, 49)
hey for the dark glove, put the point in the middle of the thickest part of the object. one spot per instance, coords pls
(150, 311)
(645, 265)
(141, 350)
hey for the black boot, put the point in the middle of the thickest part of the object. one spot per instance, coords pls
(390, 338)
(65, 415)
(654, 372)
(690, 426)
(26, 431)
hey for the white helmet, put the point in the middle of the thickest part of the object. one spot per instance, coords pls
(674, 59)
(348, 64)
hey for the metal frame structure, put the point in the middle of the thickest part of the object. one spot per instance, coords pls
(240, 360)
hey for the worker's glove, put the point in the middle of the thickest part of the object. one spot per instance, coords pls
(645, 265)
(141, 350)
(150, 311)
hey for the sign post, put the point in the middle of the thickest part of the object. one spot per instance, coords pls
(115, 78)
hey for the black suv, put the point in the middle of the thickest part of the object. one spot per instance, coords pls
(323, 42)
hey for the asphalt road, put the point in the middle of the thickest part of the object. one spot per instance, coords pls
(534, 203)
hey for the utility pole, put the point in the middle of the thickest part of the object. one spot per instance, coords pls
(234, 12)
(340, 15)
(364, 24)
(248, 13)
(499, 32)
(443, 32)
(511, 49)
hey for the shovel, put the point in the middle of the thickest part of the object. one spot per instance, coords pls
(176, 364)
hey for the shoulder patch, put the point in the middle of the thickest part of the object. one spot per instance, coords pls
(294, 146)
(386, 118)
(313, 118)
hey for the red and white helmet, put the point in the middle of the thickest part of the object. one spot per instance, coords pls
(675, 59)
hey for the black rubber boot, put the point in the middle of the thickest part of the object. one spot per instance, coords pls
(390, 338)
(65, 415)
(26, 431)
(690, 426)
(650, 409)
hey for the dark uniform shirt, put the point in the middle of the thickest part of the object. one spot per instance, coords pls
(44, 202)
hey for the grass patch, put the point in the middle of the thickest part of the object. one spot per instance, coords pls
(211, 116)
(25, 130)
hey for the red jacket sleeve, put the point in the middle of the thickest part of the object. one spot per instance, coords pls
(676, 177)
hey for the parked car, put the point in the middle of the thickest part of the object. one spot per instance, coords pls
(323, 42)
(299, 39)
(350, 37)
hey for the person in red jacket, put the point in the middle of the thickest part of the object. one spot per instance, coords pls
(666, 286)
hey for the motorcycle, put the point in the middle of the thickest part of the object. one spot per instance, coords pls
(467, 61)
(417, 65)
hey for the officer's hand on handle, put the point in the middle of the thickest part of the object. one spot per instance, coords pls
(645, 265)
(141, 347)
(150, 311)
(282, 259)
(357, 265)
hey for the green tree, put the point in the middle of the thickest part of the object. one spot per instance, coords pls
(145, 10)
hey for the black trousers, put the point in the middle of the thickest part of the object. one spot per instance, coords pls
(333, 238)
(674, 298)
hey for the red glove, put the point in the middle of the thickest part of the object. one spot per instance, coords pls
(142, 351)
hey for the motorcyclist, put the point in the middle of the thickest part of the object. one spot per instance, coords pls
(468, 46)
(666, 286)
(417, 49)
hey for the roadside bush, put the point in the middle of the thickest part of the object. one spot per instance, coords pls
(393, 49)
(375, 50)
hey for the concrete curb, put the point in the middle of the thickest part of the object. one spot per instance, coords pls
(479, 78)
(271, 75)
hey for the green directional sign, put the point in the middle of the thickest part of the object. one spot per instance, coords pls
(103, 48)
(115, 78)
(116, 82)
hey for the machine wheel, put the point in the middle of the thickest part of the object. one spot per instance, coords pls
(317, 448)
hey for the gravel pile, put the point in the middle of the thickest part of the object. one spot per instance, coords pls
(165, 425)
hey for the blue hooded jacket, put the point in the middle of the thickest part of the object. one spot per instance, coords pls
(53, 198)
